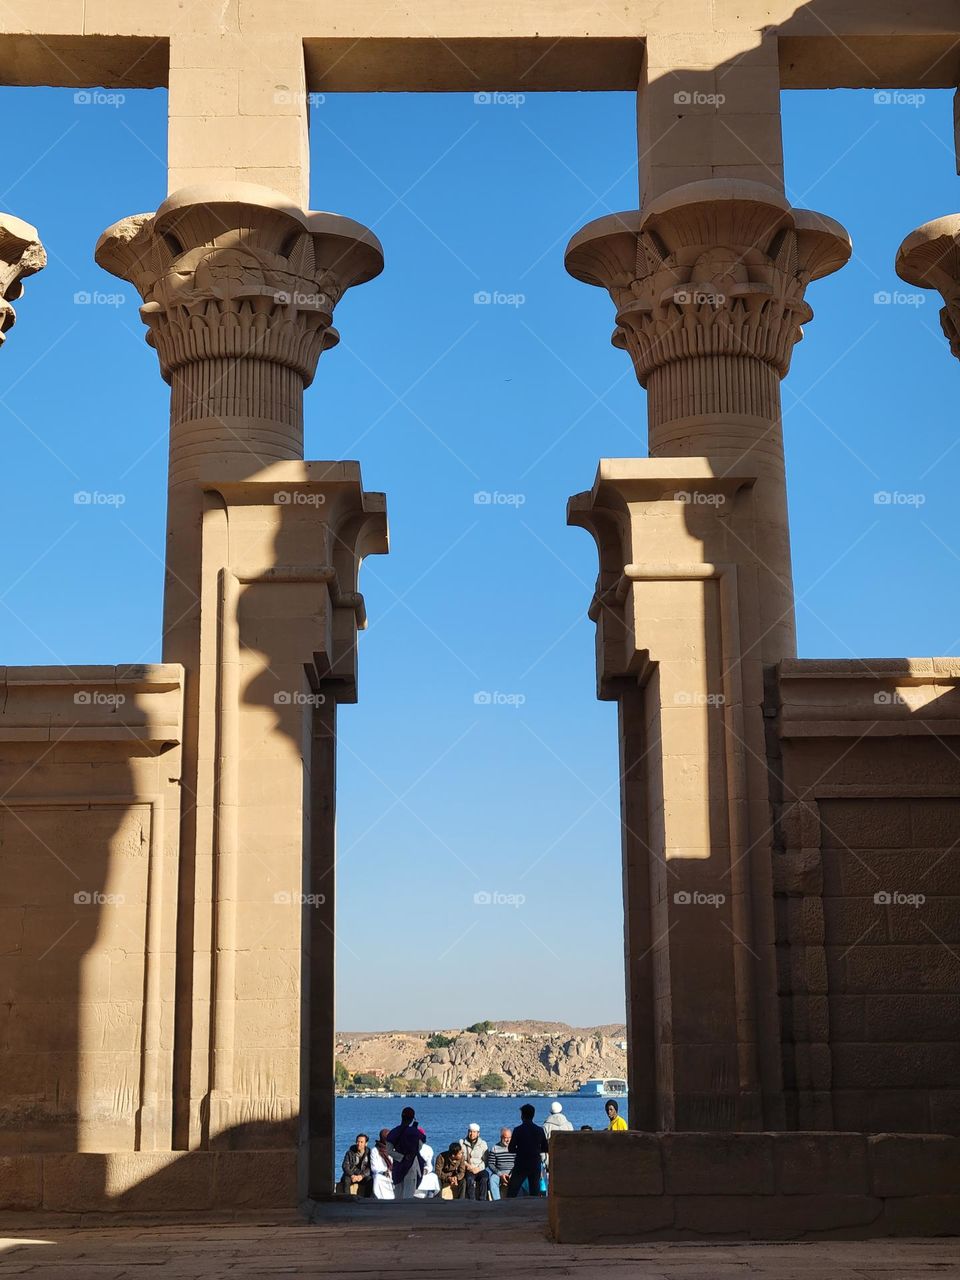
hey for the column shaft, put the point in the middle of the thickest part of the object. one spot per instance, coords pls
(695, 602)
(263, 550)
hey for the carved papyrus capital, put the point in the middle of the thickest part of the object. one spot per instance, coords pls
(21, 255)
(930, 258)
(715, 268)
(233, 273)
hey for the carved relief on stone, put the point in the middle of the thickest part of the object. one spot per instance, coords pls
(21, 255)
(234, 272)
(714, 268)
(930, 258)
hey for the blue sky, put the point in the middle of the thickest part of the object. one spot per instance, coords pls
(440, 398)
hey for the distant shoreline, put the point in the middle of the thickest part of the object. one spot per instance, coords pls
(461, 1093)
(381, 1094)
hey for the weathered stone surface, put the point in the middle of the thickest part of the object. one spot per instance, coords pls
(913, 1164)
(812, 1164)
(631, 1164)
(21, 1182)
(256, 1179)
(235, 273)
(340, 1242)
(575, 1220)
(700, 1163)
(21, 255)
(930, 257)
(919, 1215)
(777, 1217)
(713, 269)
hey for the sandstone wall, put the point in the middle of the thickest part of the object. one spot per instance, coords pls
(89, 770)
(868, 894)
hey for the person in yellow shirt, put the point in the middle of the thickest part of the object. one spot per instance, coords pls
(617, 1123)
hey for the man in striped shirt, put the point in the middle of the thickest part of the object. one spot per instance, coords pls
(500, 1163)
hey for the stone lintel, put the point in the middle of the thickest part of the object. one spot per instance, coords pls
(862, 698)
(443, 47)
(123, 704)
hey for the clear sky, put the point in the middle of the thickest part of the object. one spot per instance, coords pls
(440, 397)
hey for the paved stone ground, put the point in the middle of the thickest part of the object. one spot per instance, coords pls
(443, 1243)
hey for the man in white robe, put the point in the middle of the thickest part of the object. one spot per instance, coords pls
(381, 1167)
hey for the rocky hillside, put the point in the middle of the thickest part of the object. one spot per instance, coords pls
(554, 1054)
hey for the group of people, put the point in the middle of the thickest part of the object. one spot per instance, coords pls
(401, 1164)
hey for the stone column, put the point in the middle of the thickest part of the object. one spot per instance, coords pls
(709, 283)
(261, 608)
(694, 606)
(930, 258)
(21, 255)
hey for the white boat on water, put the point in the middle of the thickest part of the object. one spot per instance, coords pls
(602, 1089)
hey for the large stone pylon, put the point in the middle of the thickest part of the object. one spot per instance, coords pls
(261, 608)
(694, 605)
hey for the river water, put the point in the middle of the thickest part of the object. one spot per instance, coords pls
(445, 1119)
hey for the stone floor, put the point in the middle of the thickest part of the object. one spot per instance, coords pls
(439, 1242)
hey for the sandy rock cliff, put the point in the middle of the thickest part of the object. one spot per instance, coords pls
(558, 1055)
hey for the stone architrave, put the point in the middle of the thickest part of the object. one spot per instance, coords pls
(694, 605)
(21, 255)
(930, 258)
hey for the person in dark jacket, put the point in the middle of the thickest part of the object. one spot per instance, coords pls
(451, 1170)
(529, 1145)
(357, 1179)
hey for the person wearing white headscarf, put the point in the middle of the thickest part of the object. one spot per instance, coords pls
(429, 1184)
(381, 1167)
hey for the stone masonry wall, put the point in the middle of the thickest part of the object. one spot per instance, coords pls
(867, 876)
(760, 1186)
